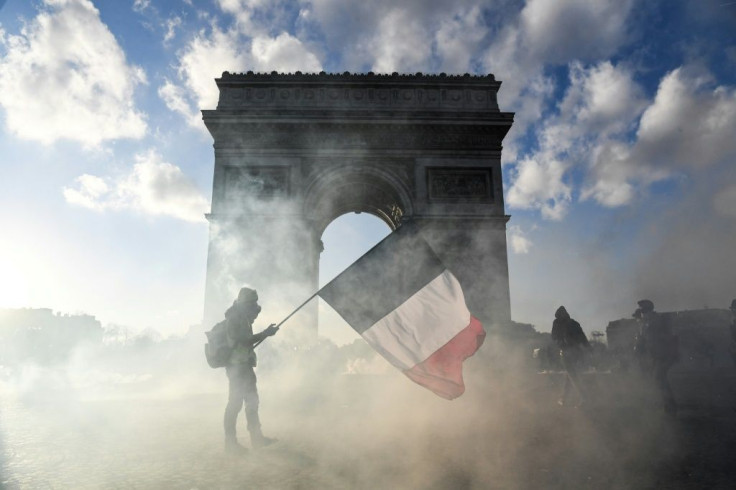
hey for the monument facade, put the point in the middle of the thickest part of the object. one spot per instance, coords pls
(295, 151)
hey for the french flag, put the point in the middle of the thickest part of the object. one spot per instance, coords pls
(405, 303)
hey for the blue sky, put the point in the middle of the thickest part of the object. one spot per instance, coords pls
(619, 171)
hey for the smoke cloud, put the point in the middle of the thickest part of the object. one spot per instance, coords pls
(148, 412)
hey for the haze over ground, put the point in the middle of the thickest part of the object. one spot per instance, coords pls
(618, 169)
(618, 176)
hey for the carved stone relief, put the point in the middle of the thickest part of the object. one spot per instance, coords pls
(259, 182)
(453, 184)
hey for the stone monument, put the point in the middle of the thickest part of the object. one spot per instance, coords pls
(295, 151)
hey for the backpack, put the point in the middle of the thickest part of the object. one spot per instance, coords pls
(217, 350)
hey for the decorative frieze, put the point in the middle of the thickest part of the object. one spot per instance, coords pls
(299, 98)
(368, 92)
(341, 138)
(256, 182)
(459, 184)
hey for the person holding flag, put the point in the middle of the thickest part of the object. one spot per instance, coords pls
(410, 308)
(239, 320)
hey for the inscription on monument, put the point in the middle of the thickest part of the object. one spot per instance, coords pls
(459, 184)
(260, 182)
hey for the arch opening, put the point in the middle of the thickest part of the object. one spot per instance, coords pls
(364, 189)
(345, 239)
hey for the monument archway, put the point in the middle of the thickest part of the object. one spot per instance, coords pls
(345, 239)
(295, 151)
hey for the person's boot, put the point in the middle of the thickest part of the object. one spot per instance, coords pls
(232, 446)
(258, 440)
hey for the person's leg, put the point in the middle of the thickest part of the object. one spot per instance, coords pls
(573, 378)
(252, 402)
(250, 395)
(663, 383)
(236, 395)
(575, 381)
(565, 391)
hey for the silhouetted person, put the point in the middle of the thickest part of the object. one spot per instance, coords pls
(732, 328)
(572, 342)
(240, 372)
(657, 350)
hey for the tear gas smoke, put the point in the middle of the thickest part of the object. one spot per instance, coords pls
(149, 415)
(147, 412)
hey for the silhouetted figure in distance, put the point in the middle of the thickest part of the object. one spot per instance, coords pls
(240, 370)
(732, 328)
(657, 349)
(572, 342)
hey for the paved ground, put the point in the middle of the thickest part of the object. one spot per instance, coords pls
(378, 432)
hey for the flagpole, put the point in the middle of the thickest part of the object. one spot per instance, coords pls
(290, 315)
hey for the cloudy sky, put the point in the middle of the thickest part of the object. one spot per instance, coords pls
(619, 172)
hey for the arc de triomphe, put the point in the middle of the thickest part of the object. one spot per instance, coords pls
(295, 151)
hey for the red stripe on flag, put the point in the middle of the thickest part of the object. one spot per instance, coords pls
(442, 372)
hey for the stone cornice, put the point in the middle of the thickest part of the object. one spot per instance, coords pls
(337, 93)
(322, 76)
(236, 136)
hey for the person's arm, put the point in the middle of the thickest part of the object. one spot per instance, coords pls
(557, 334)
(583, 338)
(261, 336)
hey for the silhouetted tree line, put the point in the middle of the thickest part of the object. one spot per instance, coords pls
(39, 335)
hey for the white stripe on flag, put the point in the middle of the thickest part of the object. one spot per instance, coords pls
(422, 324)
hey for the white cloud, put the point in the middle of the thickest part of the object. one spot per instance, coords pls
(171, 25)
(599, 107)
(545, 33)
(724, 201)
(520, 243)
(401, 43)
(244, 12)
(563, 30)
(209, 53)
(283, 53)
(528, 108)
(200, 62)
(689, 125)
(601, 103)
(205, 58)
(603, 98)
(691, 122)
(407, 36)
(457, 39)
(175, 98)
(153, 187)
(65, 77)
(88, 193)
(538, 184)
(614, 179)
(241, 9)
(552, 32)
(141, 5)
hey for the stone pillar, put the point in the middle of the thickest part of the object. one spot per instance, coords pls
(460, 208)
(475, 251)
